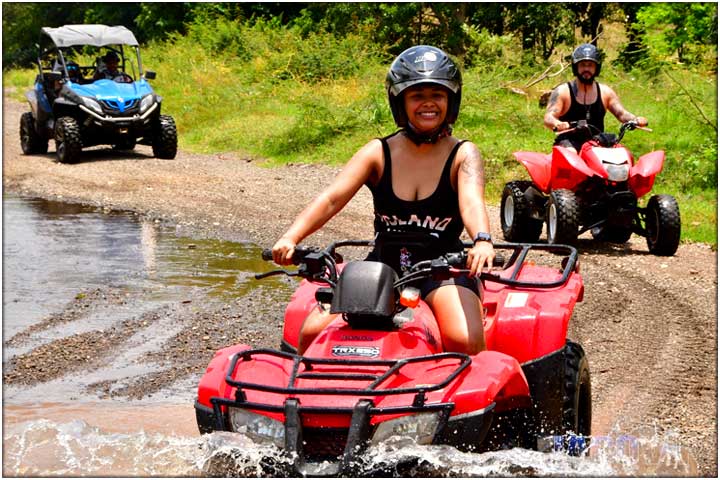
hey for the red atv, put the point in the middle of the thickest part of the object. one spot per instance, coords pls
(379, 369)
(597, 190)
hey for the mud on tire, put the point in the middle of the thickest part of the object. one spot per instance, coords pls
(30, 141)
(562, 217)
(662, 223)
(577, 392)
(164, 143)
(517, 224)
(68, 141)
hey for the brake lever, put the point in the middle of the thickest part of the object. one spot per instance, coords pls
(260, 276)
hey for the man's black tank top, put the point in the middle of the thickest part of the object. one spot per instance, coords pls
(435, 219)
(593, 113)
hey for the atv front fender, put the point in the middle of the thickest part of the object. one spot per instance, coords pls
(568, 169)
(212, 383)
(642, 174)
(538, 166)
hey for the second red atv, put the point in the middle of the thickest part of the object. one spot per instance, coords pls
(596, 189)
(379, 370)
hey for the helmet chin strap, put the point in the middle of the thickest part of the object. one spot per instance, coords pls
(419, 138)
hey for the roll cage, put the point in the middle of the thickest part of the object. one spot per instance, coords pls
(55, 43)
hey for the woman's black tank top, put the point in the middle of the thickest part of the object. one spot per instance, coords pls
(435, 219)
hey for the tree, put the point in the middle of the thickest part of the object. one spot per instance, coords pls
(542, 26)
(675, 28)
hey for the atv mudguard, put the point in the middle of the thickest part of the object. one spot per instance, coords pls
(562, 169)
(538, 166)
(530, 323)
(642, 174)
(568, 169)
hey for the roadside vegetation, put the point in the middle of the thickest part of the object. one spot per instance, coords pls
(292, 92)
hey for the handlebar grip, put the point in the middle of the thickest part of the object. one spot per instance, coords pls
(267, 255)
(499, 260)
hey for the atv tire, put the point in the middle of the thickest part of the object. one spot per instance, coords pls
(30, 141)
(164, 143)
(68, 141)
(662, 224)
(517, 224)
(562, 217)
(577, 394)
(612, 234)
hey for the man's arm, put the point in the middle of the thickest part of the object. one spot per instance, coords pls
(613, 105)
(557, 106)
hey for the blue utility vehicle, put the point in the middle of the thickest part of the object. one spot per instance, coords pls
(108, 102)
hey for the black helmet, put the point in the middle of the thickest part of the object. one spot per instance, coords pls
(586, 51)
(423, 64)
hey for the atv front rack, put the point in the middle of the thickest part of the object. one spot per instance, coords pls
(393, 368)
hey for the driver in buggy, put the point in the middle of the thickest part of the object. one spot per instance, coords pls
(423, 180)
(74, 73)
(108, 69)
(584, 99)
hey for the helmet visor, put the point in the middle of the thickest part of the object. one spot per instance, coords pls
(398, 88)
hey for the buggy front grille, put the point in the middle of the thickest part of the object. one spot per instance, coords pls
(120, 105)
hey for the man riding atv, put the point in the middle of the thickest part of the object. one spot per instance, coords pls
(584, 99)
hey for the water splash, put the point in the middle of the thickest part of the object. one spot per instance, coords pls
(45, 448)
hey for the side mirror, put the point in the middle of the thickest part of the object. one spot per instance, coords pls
(150, 75)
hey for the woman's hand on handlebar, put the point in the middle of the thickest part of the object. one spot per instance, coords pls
(283, 251)
(479, 256)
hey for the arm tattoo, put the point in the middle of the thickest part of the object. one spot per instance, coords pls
(619, 111)
(472, 167)
(554, 97)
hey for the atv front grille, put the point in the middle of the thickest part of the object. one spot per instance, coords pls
(320, 444)
(120, 105)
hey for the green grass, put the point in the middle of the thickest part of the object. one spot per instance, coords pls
(253, 101)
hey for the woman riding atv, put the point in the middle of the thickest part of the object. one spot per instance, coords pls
(423, 181)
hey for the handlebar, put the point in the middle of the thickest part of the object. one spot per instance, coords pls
(593, 130)
(321, 265)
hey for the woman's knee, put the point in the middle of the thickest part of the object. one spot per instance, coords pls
(459, 316)
(316, 321)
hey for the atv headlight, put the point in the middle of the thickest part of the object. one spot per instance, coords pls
(259, 428)
(617, 173)
(420, 428)
(146, 102)
(92, 104)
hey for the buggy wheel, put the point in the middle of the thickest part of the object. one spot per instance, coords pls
(68, 142)
(662, 224)
(611, 234)
(577, 394)
(563, 214)
(30, 141)
(164, 143)
(517, 224)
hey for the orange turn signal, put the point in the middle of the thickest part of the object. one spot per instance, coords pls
(410, 297)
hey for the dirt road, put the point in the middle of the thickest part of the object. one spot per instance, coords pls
(648, 324)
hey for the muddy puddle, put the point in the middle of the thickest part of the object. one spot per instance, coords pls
(70, 271)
